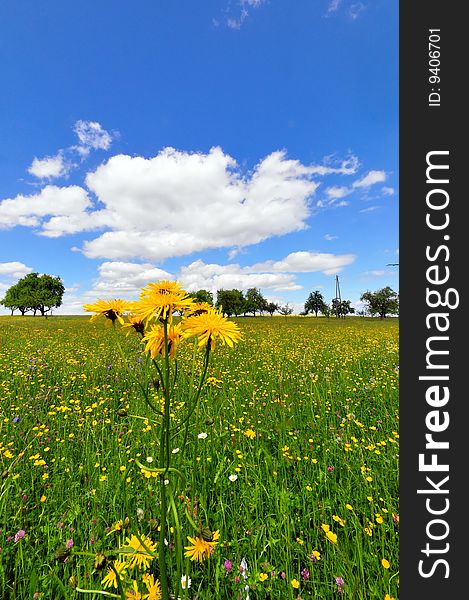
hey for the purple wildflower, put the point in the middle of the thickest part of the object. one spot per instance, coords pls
(20, 535)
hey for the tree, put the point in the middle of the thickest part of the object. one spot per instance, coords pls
(230, 301)
(202, 296)
(341, 308)
(13, 300)
(382, 302)
(315, 303)
(285, 310)
(35, 292)
(271, 308)
(254, 301)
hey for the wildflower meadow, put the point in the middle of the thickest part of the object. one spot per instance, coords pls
(156, 450)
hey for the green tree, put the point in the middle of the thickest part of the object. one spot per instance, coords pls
(341, 307)
(230, 301)
(255, 301)
(35, 292)
(383, 302)
(202, 296)
(315, 303)
(285, 310)
(271, 308)
(13, 300)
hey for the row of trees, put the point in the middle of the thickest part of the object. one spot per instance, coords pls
(36, 293)
(381, 303)
(42, 293)
(236, 302)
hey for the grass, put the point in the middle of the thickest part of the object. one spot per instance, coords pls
(301, 421)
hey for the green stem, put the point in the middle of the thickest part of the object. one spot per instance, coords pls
(164, 462)
(197, 396)
(178, 537)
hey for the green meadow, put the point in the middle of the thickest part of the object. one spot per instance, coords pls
(291, 455)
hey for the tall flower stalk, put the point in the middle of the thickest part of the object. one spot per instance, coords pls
(152, 317)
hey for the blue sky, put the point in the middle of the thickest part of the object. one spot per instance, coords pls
(224, 143)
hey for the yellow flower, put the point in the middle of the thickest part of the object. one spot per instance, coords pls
(153, 587)
(133, 594)
(385, 563)
(116, 527)
(159, 300)
(316, 554)
(332, 537)
(43, 499)
(199, 308)
(120, 567)
(210, 326)
(263, 576)
(388, 597)
(135, 323)
(111, 309)
(325, 527)
(295, 583)
(201, 548)
(139, 550)
(154, 339)
(249, 433)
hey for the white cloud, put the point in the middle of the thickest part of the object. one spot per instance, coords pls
(333, 6)
(236, 16)
(355, 10)
(67, 204)
(369, 209)
(120, 279)
(329, 237)
(375, 273)
(125, 280)
(177, 203)
(49, 167)
(371, 178)
(307, 262)
(14, 270)
(338, 191)
(213, 277)
(387, 191)
(92, 136)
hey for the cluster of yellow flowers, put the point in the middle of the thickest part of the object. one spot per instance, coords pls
(138, 552)
(157, 304)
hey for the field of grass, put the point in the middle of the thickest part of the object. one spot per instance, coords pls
(291, 454)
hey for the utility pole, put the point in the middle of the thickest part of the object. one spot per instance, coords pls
(338, 299)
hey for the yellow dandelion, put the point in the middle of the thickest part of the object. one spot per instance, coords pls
(133, 593)
(198, 308)
(140, 551)
(111, 309)
(116, 527)
(210, 326)
(136, 323)
(295, 583)
(263, 576)
(201, 548)
(249, 433)
(159, 300)
(153, 588)
(385, 563)
(332, 537)
(154, 339)
(120, 567)
(325, 527)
